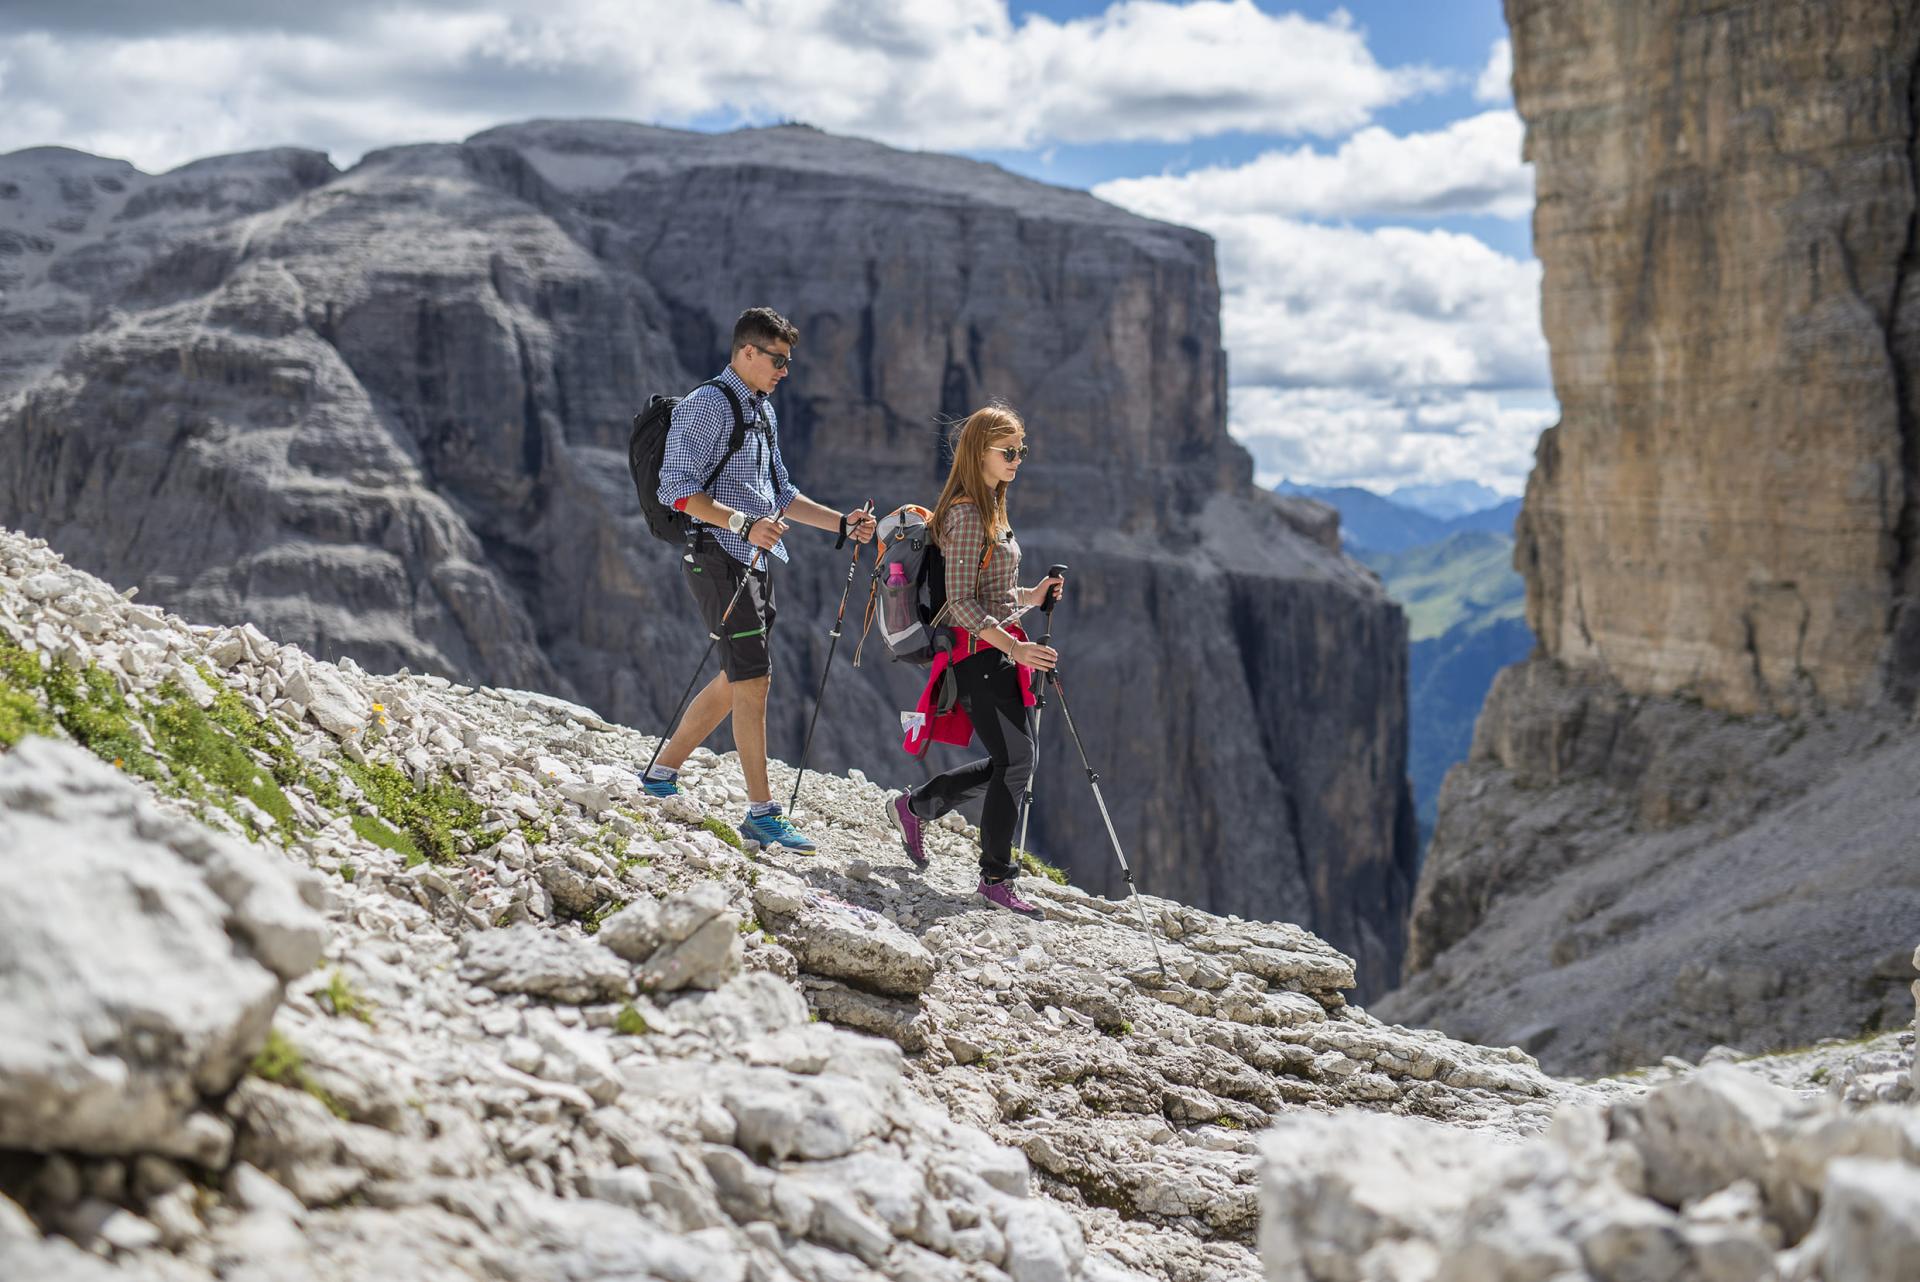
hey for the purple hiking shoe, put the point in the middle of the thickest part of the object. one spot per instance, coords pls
(909, 825)
(1000, 895)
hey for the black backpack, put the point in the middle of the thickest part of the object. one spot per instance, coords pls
(647, 450)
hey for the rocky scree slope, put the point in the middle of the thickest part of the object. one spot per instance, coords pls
(326, 974)
(1688, 818)
(1718, 1174)
(1614, 878)
(381, 414)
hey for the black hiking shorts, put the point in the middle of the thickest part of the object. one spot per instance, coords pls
(713, 575)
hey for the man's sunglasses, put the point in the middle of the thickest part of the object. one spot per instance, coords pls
(1013, 453)
(780, 360)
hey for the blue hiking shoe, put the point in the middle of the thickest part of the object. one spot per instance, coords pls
(660, 787)
(762, 832)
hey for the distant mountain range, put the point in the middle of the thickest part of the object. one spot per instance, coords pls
(1372, 522)
(1448, 499)
(1465, 608)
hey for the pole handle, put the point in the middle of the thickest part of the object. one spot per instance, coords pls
(1046, 606)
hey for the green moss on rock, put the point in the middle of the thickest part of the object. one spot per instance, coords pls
(723, 830)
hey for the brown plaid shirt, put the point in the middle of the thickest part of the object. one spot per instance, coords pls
(978, 598)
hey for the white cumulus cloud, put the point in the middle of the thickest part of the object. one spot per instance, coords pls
(1496, 78)
(1472, 166)
(1308, 305)
(1380, 441)
(193, 78)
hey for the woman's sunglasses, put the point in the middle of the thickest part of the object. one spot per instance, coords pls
(1013, 453)
(780, 359)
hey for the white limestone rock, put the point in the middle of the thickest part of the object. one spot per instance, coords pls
(700, 942)
(1701, 1133)
(526, 959)
(1870, 1221)
(839, 940)
(141, 958)
(633, 932)
(328, 698)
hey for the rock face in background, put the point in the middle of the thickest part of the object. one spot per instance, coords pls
(382, 414)
(1698, 795)
(1617, 878)
(1730, 505)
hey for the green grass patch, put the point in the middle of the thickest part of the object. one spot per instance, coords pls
(592, 922)
(434, 817)
(344, 1000)
(630, 1022)
(723, 830)
(218, 755)
(84, 704)
(22, 711)
(212, 756)
(1039, 867)
(388, 837)
(281, 1063)
(20, 716)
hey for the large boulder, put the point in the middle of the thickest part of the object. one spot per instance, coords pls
(529, 959)
(700, 945)
(141, 957)
(839, 940)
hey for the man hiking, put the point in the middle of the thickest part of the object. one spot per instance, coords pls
(739, 526)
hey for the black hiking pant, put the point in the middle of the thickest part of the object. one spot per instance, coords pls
(989, 690)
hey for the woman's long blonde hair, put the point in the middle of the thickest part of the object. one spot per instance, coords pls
(967, 478)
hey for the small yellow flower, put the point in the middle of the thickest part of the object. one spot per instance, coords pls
(379, 707)
(118, 762)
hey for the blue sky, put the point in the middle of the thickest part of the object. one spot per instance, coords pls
(1358, 165)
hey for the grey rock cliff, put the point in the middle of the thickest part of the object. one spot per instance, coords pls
(1698, 793)
(1615, 879)
(1729, 505)
(382, 414)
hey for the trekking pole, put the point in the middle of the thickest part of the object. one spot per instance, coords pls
(1094, 780)
(1039, 705)
(832, 645)
(713, 639)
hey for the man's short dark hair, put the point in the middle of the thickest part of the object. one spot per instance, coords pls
(762, 325)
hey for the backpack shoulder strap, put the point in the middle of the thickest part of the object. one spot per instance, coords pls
(734, 442)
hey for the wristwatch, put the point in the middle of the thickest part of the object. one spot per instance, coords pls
(738, 522)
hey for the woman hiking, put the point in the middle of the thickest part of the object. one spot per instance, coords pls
(993, 662)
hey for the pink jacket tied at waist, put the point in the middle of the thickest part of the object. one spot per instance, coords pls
(954, 726)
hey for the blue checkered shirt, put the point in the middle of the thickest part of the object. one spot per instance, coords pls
(697, 437)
